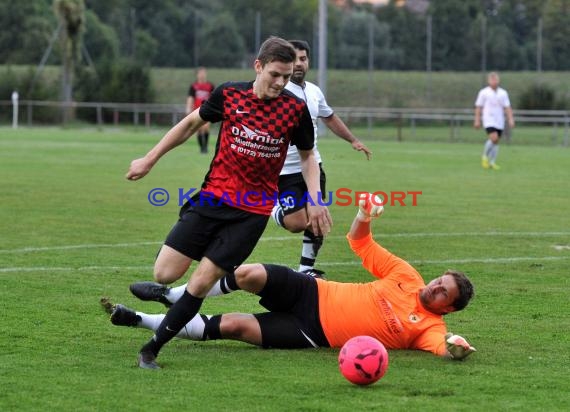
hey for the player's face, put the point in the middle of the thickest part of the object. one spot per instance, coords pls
(301, 67)
(439, 294)
(271, 78)
(201, 76)
(493, 81)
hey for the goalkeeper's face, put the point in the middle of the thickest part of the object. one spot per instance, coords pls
(301, 67)
(439, 294)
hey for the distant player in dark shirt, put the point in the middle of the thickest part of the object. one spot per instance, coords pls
(221, 225)
(198, 93)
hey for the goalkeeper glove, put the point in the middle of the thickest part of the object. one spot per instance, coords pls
(458, 347)
(369, 207)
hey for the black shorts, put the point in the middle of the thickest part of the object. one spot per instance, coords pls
(490, 130)
(223, 234)
(293, 300)
(293, 191)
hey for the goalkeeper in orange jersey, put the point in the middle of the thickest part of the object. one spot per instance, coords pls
(397, 308)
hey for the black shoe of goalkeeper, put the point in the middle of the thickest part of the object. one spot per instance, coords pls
(151, 291)
(123, 316)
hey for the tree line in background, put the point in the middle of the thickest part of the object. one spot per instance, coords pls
(219, 33)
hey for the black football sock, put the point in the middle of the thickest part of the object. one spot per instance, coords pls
(206, 136)
(228, 283)
(201, 141)
(212, 329)
(179, 315)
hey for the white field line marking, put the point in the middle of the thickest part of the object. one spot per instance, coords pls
(561, 247)
(290, 237)
(349, 263)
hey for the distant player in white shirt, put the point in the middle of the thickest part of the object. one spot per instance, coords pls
(493, 102)
(290, 212)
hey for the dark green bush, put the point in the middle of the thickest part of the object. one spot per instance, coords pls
(538, 96)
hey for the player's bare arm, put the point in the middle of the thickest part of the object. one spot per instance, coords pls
(510, 117)
(338, 127)
(174, 137)
(477, 121)
(320, 220)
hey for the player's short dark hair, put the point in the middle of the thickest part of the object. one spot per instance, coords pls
(276, 49)
(301, 45)
(465, 287)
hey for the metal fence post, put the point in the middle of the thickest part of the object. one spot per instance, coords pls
(99, 115)
(15, 98)
(566, 129)
(30, 109)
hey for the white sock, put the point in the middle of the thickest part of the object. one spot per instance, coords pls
(149, 321)
(277, 214)
(174, 294)
(194, 330)
(488, 147)
(493, 153)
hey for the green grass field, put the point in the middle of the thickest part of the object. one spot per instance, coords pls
(73, 230)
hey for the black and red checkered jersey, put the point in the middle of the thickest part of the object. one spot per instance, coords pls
(200, 92)
(252, 143)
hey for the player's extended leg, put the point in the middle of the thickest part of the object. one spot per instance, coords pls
(250, 277)
(235, 326)
(151, 291)
(124, 316)
(201, 281)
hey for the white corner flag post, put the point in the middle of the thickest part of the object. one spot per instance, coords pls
(15, 98)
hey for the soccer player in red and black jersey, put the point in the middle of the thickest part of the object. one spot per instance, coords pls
(198, 93)
(221, 225)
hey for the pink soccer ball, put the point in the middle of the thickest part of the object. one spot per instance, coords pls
(363, 360)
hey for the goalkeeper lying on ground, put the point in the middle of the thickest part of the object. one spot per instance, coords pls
(398, 308)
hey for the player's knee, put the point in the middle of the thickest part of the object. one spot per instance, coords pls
(296, 222)
(166, 277)
(233, 327)
(249, 276)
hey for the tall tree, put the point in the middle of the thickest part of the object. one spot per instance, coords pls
(352, 45)
(71, 14)
(26, 27)
(556, 35)
(452, 19)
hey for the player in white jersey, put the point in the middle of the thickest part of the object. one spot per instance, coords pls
(492, 103)
(290, 211)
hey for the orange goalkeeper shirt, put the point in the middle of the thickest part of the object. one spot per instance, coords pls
(387, 309)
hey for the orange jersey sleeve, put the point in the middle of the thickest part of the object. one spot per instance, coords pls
(432, 340)
(387, 309)
(377, 260)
